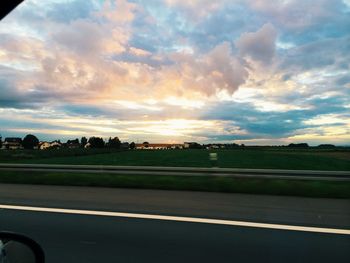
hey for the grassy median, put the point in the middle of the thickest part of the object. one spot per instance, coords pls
(212, 184)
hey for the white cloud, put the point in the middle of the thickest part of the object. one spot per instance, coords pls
(216, 70)
(328, 119)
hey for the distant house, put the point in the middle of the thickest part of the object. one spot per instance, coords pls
(12, 143)
(187, 145)
(152, 146)
(44, 145)
(87, 146)
(217, 146)
(73, 145)
(124, 145)
(56, 144)
(212, 146)
(157, 146)
(49, 145)
(177, 146)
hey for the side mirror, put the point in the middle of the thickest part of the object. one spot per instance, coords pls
(15, 248)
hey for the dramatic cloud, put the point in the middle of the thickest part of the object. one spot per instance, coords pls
(173, 70)
(259, 45)
(217, 70)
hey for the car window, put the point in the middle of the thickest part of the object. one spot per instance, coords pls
(176, 131)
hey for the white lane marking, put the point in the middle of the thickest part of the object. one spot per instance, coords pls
(180, 219)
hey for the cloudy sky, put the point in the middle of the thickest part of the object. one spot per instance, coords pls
(253, 72)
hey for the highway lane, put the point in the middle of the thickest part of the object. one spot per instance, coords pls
(320, 212)
(87, 238)
(75, 238)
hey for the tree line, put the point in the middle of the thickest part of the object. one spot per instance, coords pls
(30, 141)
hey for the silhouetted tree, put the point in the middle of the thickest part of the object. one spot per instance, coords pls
(30, 141)
(114, 143)
(96, 142)
(75, 141)
(195, 145)
(132, 146)
(298, 145)
(327, 146)
(0, 141)
(83, 141)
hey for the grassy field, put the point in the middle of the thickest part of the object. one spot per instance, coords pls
(248, 157)
(211, 184)
(268, 158)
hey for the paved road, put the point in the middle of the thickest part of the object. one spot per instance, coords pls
(82, 238)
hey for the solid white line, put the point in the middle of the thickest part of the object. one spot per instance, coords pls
(180, 219)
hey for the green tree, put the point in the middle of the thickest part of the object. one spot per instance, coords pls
(114, 143)
(75, 141)
(30, 141)
(195, 145)
(96, 142)
(298, 145)
(132, 146)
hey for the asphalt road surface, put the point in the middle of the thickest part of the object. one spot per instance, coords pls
(95, 238)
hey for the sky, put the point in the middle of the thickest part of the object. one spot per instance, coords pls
(256, 72)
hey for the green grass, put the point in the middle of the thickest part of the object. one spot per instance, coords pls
(296, 159)
(27, 155)
(212, 184)
(248, 157)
